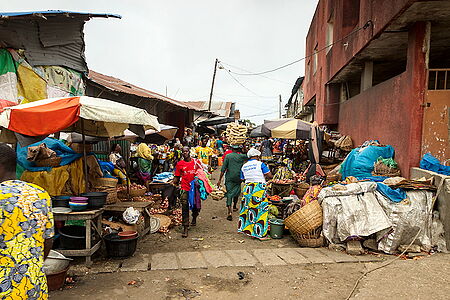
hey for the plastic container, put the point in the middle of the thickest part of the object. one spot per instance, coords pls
(119, 248)
(56, 281)
(81, 200)
(73, 237)
(96, 199)
(78, 207)
(124, 235)
(60, 201)
(276, 228)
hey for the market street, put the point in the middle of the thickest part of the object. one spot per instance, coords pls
(303, 280)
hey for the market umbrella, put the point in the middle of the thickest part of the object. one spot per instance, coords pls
(5, 103)
(286, 129)
(87, 115)
(257, 132)
(166, 132)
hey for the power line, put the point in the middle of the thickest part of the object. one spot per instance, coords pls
(365, 26)
(259, 115)
(236, 67)
(241, 84)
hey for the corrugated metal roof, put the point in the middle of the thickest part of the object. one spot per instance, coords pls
(221, 108)
(54, 42)
(118, 85)
(54, 12)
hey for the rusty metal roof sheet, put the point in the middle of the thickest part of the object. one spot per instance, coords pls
(220, 108)
(45, 13)
(118, 85)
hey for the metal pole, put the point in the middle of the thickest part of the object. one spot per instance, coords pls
(85, 167)
(279, 108)
(212, 85)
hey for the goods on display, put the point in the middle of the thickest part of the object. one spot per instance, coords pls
(236, 133)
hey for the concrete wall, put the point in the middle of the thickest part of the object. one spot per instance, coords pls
(392, 111)
(380, 12)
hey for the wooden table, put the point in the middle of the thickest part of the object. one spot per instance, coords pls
(142, 207)
(158, 185)
(92, 218)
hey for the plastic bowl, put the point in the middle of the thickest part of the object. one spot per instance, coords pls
(78, 207)
(55, 263)
(124, 235)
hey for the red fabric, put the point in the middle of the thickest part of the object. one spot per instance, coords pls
(5, 103)
(45, 119)
(185, 170)
(226, 153)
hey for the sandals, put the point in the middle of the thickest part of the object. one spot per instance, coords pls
(230, 218)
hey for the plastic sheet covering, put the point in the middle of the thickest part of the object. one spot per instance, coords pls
(352, 211)
(407, 217)
(65, 180)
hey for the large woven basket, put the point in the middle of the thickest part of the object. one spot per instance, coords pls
(301, 189)
(106, 182)
(112, 193)
(306, 219)
(133, 193)
(312, 239)
(49, 162)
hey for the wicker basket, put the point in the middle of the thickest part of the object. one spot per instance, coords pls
(306, 219)
(133, 193)
(312, 239)
(49, 162)
(112, 193)
(106, 182)
(301, 189)
(380, 169)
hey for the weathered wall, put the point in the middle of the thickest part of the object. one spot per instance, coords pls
(380, 12)
(436, 125)
(392, 111)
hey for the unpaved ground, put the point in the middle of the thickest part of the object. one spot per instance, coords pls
(427, 278)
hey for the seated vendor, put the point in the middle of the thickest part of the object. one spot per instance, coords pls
(119, 163)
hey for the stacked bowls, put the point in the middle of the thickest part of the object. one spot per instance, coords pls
(78, 203)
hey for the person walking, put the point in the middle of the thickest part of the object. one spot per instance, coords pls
(231, 168)
(203, 152)
(254, 204)
(184, 175)
(26, 231)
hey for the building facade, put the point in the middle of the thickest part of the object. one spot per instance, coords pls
(377, 69)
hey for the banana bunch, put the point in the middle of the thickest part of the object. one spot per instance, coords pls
(236, 133)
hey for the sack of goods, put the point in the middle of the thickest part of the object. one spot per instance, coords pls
(236, 133)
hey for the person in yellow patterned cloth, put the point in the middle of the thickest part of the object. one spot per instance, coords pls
(26, 228)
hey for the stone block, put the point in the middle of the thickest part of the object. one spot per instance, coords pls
(164, 261)
(217, 259)
(191, 260)
(241, 258)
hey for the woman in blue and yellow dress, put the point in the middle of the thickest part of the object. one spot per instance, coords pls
(253, 216)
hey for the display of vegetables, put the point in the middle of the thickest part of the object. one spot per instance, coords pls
(133, 186)
(275, 198)
(236, 133)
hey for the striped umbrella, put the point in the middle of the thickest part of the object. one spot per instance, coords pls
(287, 129)
(88, 115)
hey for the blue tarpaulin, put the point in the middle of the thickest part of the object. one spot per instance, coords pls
(67, 154)
(360, 164)
(431, 163)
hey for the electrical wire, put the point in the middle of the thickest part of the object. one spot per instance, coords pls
(236, 67)
(365, 26)
(259, 115)
(241, 84)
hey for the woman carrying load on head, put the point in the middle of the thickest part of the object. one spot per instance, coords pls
(253, 216)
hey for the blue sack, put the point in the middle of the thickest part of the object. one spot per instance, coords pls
(431, 163)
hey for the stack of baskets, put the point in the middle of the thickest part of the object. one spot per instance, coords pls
(305, 225)
(108, 185)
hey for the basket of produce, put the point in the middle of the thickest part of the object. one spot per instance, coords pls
(236, 133)
(300, 189)
(49, 162)
(112, 193)
(217, 194)
(306, 219)
(313, 239)
(136, 190)
(106, 182)
(386, 167)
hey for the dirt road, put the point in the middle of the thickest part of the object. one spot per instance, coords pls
(426, 278)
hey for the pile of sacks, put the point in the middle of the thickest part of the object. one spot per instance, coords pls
(236, 133)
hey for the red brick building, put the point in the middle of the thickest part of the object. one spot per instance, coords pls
(385, 75)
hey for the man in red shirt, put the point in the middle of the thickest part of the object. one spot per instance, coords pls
(185, 170)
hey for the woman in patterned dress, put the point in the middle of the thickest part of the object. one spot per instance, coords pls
(254, 204)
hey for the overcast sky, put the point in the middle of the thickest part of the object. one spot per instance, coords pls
(174, 43)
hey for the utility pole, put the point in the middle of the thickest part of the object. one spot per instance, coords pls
(212, 85)
(279, 109)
